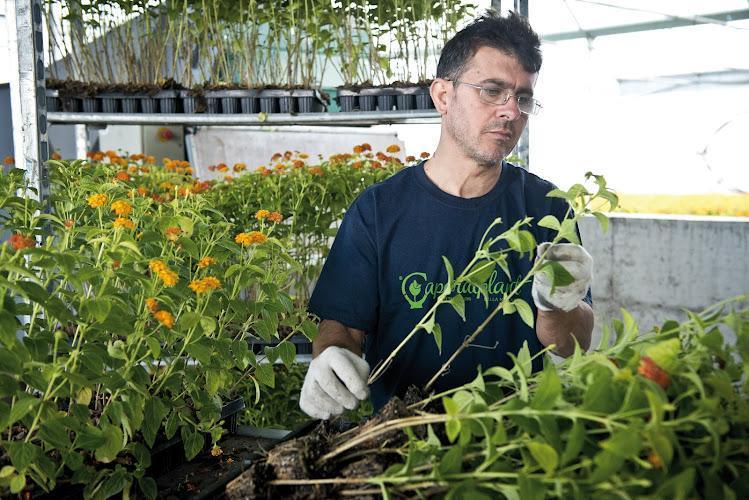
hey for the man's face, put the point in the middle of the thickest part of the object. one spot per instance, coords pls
(487, 133)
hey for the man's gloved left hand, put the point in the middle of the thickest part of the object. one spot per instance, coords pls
(578, 262)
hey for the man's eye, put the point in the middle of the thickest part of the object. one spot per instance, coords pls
(492, 92)
(524, 99)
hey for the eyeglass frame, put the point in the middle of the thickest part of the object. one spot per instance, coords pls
(507, 94)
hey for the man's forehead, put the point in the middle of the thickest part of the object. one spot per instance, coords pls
(496, 67)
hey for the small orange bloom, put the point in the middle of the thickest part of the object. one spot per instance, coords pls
(69, 223)
(287, 155)
(410, 158)
(275, 217)
(424, 154)
(172, 233)
(122, 176)
(239, 167)
(97, 200)
(315, 171)
(366, 147)
(279, 166)
(376, 164)
(297, 164)
(165, 318)
(251, 238)
(358, 149)
(9, 160)
(151, 160)
(122, 208)
(19, 241)
(262, 214)
(205, 262)
(142, 191)
(393, 148)
(228, 178)
(97, 156)
(124, 223)
(56, 156)
(655, 460)
(303, 156)
(222, 167)
(276, 156)
(205, 285)
(152, 304)
(356, 165)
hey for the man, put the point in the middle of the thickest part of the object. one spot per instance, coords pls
(385, 266)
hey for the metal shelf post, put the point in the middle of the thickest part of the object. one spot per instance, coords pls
(28, 100)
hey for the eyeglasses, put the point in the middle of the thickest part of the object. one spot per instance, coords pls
(499, 96)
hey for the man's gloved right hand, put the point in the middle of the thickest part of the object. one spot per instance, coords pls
(336, 379)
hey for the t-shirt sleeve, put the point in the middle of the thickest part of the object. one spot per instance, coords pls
(347, 289)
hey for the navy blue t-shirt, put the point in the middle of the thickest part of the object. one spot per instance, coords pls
(385, 270)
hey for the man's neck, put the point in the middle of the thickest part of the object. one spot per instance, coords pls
(459, 176)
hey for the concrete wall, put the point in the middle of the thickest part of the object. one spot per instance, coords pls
(656, 266)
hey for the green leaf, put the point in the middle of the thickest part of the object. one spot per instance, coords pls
(154, 412)
(603, 221)
(452, 461)
(545, 455)
(113, 440)
(190, 247)
(96, 309)
(17, 484)
(575, 441)
(287, 351)
(459, 304)
(20, 409)
(90, 438)
(480, 273)
(437, 333)
(8, 328)
(549, 221)
(188, 320)
(193, 441)
(452, 427)
(450, 275)
(530, 488)
(54, 432)
(148, 487)
(22, 453)
(524, 310)
(265, 374)
(624, 444)
(201, 350)
(549, 388)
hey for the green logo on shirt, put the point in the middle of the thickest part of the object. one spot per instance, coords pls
(416, 288)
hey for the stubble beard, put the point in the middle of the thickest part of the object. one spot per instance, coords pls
(470, 147)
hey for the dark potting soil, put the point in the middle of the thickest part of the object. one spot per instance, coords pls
(206, 476)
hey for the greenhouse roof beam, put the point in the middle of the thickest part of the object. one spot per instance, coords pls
(676, 22)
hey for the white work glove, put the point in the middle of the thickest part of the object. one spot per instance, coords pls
(335, 380)
(578, 262)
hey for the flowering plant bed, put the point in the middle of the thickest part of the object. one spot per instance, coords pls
(127, 308)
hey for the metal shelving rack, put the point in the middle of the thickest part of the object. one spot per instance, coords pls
(355, 118)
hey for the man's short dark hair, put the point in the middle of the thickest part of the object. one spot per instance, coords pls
(512, 35)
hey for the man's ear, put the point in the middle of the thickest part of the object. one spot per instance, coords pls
(441, 92)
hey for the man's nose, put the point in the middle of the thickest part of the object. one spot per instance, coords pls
(509, 110)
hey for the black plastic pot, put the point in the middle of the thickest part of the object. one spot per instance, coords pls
(405, 98)
(90, 104)
(248, 101)
(53, 100)
(130, 104)
(308, 100)
(270, 100)
(110, 102)
(190, 102)
(348, 99)
(149, 105)
(423, 98)
(167, 100)
(368, 99)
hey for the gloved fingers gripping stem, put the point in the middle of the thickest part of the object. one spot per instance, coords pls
(316, 403)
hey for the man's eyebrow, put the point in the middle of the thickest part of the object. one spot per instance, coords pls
(504, 85)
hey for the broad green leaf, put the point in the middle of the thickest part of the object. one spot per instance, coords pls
(287, 352)
(201, 350)
(90, 438)
(625, 444)
(17, 484)
(54, 432)
(545, 455)
(21, 408)
(154, 412)
(148, 487)
(8, 328)
(603, 221)
(193, 441)
(22, 453)
(265, 374)
(96, 308)
(113, 440)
